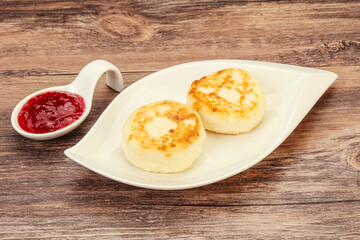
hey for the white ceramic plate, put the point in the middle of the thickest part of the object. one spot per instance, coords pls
(290, 93)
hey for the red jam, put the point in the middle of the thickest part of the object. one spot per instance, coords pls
(51, 111)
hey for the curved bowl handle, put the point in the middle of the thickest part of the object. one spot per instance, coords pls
(85, 82)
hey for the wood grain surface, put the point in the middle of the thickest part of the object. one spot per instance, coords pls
(308, 188)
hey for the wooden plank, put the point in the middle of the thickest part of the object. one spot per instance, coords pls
(72, 219)
(62, 37)
(307, 188)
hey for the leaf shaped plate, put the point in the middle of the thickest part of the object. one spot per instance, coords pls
(290, 93)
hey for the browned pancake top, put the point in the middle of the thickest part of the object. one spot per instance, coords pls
(186, 132)
(228, 79)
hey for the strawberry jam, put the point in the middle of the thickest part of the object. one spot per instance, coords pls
(51, 111)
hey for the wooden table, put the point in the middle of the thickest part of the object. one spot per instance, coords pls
(308, 188)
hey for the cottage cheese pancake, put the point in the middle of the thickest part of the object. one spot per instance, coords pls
(164, 137)
(229, 101)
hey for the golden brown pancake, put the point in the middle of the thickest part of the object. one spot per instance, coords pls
(164, 136)
(228, 101)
